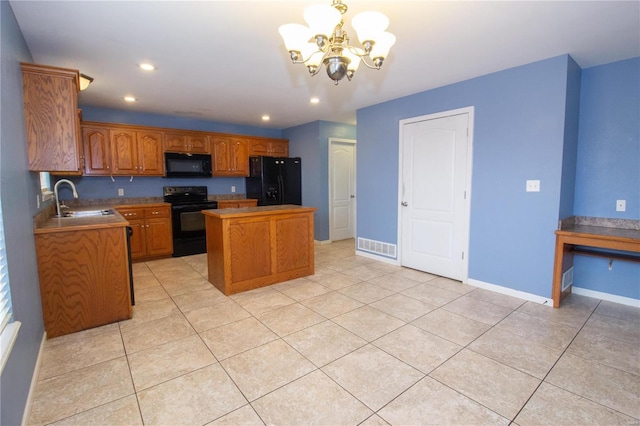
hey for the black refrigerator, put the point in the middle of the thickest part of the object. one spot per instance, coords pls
(274, 180)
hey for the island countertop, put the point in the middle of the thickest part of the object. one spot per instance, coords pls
(257, 211)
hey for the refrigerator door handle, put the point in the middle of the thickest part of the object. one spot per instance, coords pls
(280, 189)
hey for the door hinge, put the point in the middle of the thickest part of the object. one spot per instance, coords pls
(462, 255)
(465, 195)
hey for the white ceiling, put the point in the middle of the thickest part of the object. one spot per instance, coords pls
(225, 61)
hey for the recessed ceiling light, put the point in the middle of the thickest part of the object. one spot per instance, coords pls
(130, 99)
(266, 118)
(314, 100)
(147, 67)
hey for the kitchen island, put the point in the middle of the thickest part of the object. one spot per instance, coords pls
(254, 247)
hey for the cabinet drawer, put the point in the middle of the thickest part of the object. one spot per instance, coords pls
(159, 212)
(131, 214)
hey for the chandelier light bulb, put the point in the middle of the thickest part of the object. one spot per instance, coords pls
(369, 25)
(295, 36)
(355, 59)
(383, 44)
(322, 19)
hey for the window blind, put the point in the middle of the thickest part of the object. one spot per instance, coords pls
(5, 294)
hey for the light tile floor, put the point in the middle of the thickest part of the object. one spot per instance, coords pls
(359, 342)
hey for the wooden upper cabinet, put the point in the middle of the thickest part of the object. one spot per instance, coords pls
(230, 156)
(52, 122)
(124, 152)
(97, 151)
(269, 147)
(134, 152)
(150, 153)
(183, 142)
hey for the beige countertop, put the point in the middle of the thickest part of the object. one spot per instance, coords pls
(66, 224)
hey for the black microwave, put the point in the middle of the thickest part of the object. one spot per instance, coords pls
(187, 165)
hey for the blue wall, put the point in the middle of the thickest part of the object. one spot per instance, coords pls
(311, 142)
(18, 189)
(519, 134)
(608, 166)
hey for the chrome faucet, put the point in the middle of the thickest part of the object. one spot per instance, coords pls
(55, 192)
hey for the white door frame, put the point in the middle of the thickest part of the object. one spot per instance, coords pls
(467, 203)
(355, 182)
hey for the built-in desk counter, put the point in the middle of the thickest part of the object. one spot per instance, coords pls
(254, 247)
(578, 239)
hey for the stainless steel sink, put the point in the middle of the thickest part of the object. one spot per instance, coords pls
(86, 213)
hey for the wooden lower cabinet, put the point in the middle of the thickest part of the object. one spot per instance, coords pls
(234, 204)
(84, 278)
(152, 233)
(259, 247)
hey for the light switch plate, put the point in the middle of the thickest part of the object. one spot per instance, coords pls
(533, 186)
(233, 189)
(120, 192)
(621, 205)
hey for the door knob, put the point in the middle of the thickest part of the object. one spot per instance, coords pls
(404, 204)
(353, 196)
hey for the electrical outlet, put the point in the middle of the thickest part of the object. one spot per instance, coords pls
(533, 186)
(120, 192)
(621, 205)
(233, 189)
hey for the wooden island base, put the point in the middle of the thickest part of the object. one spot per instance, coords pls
(255, 247)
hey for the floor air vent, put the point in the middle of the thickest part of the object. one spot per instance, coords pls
(567, 279)
(378, 247)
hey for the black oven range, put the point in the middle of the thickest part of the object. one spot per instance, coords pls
(189, 234)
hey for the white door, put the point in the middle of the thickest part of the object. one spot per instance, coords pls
(342, 189)
(434, 195)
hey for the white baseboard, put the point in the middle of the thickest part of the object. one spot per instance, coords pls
(511, 292)
(606, 296)
(34, 382)
(321, 243)
(378, 258)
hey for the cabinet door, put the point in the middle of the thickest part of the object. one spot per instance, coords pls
(198, 144)
(221, 150)
(135, 217)
(150, 153)
(258, 147)
(279, 148)
(175, 142)
(52, 124)
(159, 236)
(138, 239)
(97, 153)
(239, 157)
(124, 153)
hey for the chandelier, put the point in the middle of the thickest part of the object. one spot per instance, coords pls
(325, 41)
